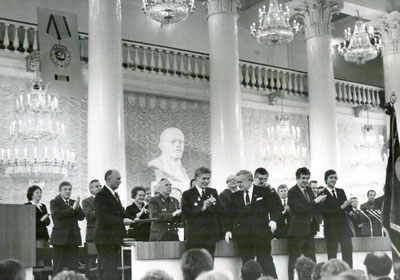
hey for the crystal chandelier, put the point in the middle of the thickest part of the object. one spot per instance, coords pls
(35, 155)
(168, 11)
(283, 140)
(274, 25)
(361, 45)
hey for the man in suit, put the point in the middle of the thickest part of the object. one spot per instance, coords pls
(336, 227)
(88, 209)
(251, 221)
(166, 209)
(369, 216)
(261, 176)
(200, 209)
(283, 221)
(66, 236)
(303, 220)
(356, 217)
(110, 226)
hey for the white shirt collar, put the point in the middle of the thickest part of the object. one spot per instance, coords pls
(250, 190)
(200, 190)
(331, 190)
(110, 189)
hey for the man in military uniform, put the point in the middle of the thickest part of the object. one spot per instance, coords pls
(166, 209)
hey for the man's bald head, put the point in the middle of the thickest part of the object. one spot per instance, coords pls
(172, 142)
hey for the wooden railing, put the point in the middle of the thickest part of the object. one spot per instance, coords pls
(22, 38)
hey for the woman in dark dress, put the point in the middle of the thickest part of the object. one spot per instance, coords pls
(139, 210)
(34, 195)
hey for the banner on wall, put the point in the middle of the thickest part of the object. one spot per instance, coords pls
(60, 55)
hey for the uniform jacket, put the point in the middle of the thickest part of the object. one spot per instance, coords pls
(376, 223)
(41, 226)
(201, 226)
(335, 218)
(303, 213)
(250, 223)
(88, 209)
(110, 214)
(65, 230)
(162, 208)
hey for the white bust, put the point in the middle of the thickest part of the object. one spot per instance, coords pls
(168, 164)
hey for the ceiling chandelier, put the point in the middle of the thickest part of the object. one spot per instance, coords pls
(35, 155)
(168, 11)
(361, 45)
(368, 147)
(283, 140)
(274, 25)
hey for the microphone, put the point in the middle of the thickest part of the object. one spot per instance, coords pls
(370, 222)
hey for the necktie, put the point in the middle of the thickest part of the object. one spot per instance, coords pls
(284, 202)
(117, 197)
(203, 193)
(247, 197)
(67, 202)
(306, 195)
(334, 193)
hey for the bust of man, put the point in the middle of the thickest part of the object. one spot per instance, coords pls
(168, 164)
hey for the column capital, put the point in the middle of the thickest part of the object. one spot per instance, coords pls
(317, 16)
(390, 31)
(222, 6)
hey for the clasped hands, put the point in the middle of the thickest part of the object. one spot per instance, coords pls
(208, 202)
(228, 234)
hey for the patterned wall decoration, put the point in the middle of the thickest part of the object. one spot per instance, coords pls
(357, 179)
(73, 115)
(255, 124)
(147, 116)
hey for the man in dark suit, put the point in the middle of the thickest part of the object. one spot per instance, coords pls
(356, 217)
(166, 209)
(261, 176)
(88, 209)
(251, 221)
(303, 219)
(336, 226)
(200, 209)
(283, 221)
(110, 226)
(66, 236)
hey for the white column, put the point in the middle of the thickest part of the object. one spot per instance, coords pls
(106, 136)
(391, 57)
(225, 98)
(321, 87)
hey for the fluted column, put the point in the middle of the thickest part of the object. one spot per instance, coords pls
(225, 99)
(391, 57)
(106, 137)
(321, 86)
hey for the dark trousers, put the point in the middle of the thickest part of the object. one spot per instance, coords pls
(262, 252)
(65, 258)
(332, 242)
(298, 246)
(210, 247)
(109, 259)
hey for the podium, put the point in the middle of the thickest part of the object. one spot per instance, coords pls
(18, 233)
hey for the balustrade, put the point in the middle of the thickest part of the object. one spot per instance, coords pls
(22, 38)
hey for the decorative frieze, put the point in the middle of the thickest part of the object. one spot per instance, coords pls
(390, 30)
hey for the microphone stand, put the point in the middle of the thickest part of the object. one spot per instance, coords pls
(370, 222)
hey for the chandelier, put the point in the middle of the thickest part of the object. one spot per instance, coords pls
(361, 45)
(283, 140)
(35, 155)
(168, 11)
(274, 25)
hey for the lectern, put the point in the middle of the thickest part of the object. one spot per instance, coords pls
(18, 233)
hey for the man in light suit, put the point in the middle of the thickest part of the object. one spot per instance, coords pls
(110, 226)
(88, 209)
(166, 209)
(303, 219)
(66, 236)
(334, 210)
(200, 209)
(251, 221)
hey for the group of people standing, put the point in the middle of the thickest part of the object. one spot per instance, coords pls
(250, 212)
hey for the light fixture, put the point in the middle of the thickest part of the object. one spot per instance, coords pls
(283, 139)
(274, 25)
(361, 45)
(168, 11)
(35, 155)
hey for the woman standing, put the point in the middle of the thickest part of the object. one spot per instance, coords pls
(138, 210)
